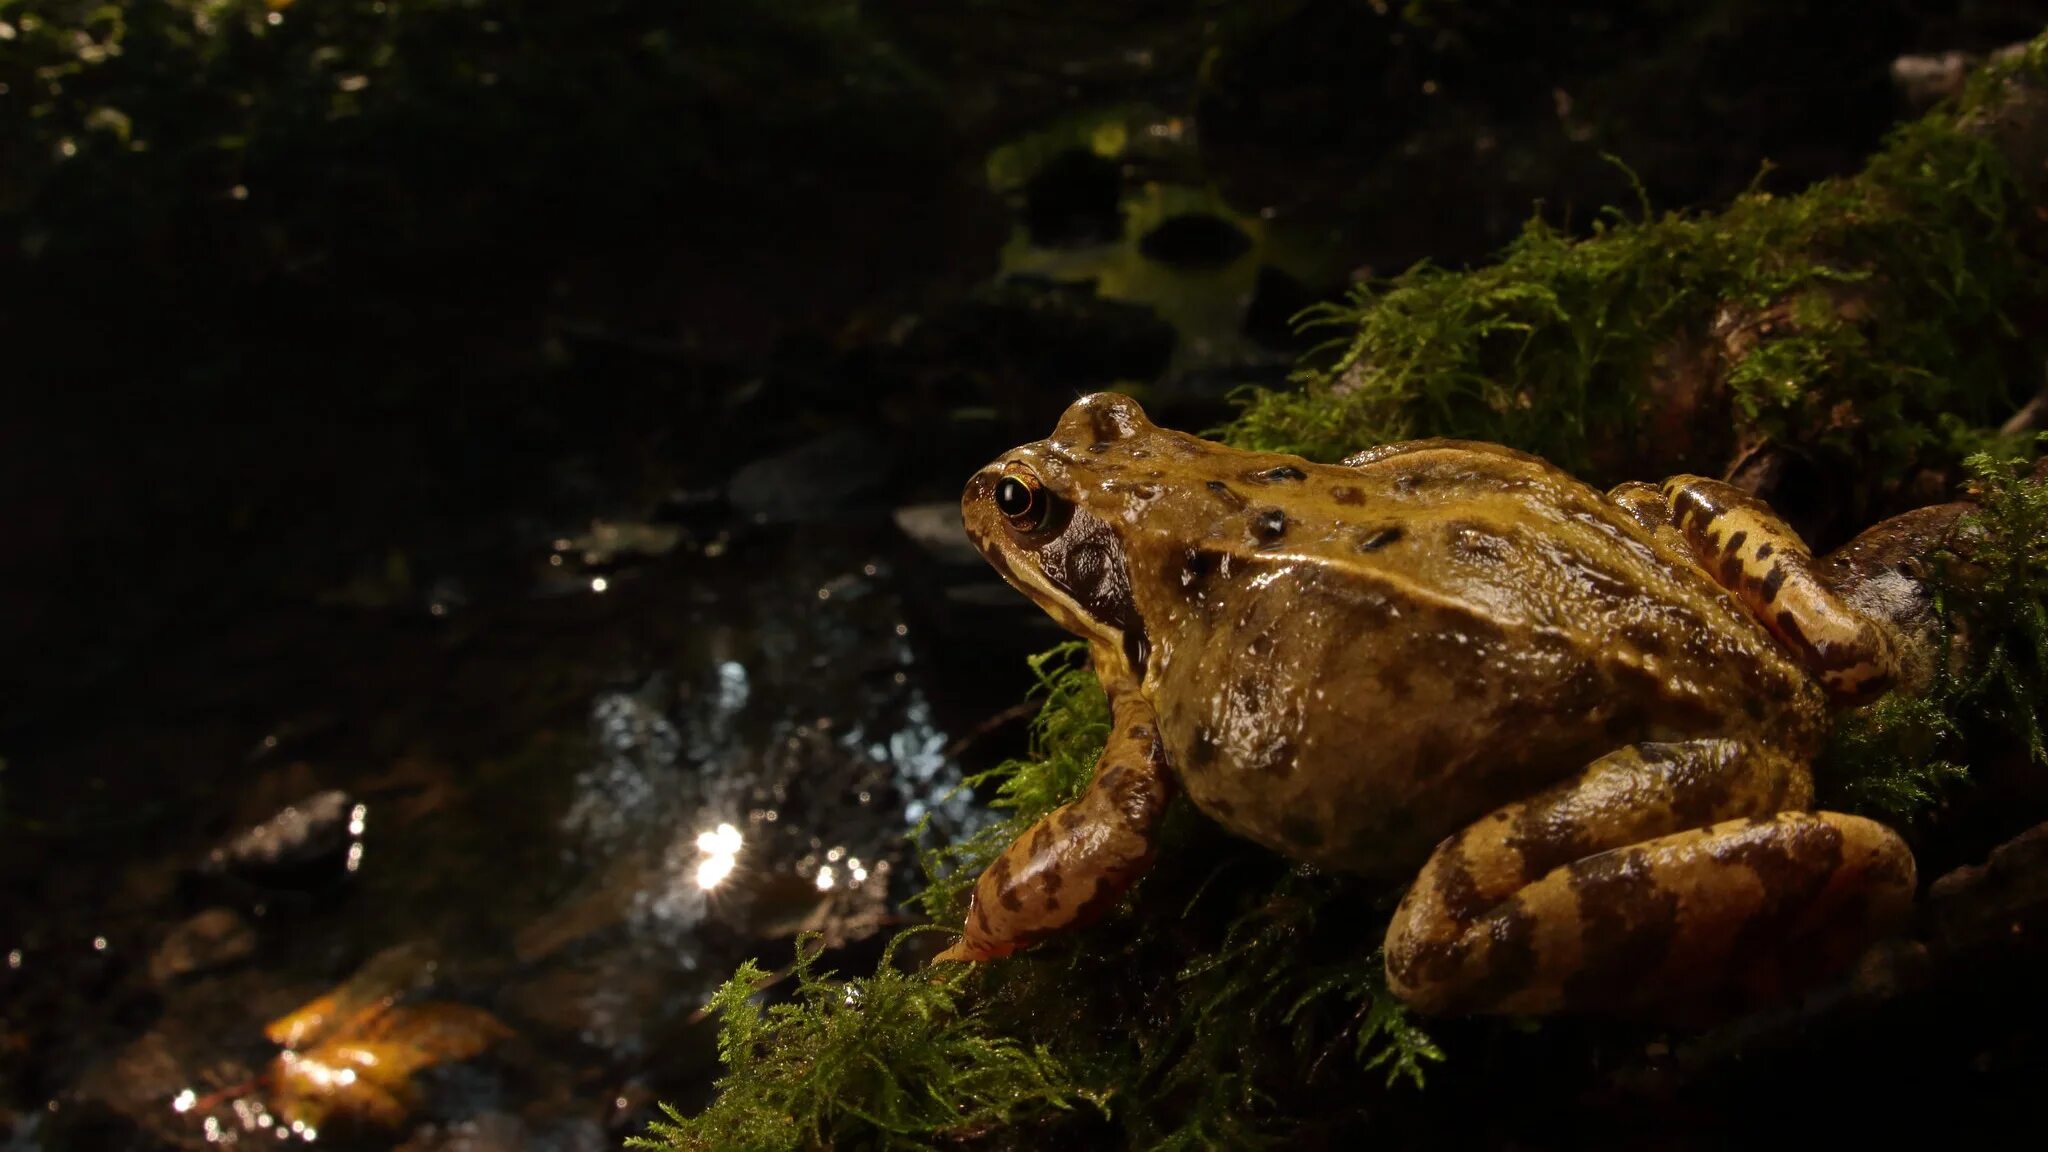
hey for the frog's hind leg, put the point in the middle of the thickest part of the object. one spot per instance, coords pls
(1742, 544)
(1664, 878)
(1073, 864)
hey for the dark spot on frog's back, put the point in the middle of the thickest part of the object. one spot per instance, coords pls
(1285, 473)
(1374, 538)
(1196, 566)
(1202, 754)
(1230, 499)
(1269, 525)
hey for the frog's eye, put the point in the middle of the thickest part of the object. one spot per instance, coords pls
(1021, 498)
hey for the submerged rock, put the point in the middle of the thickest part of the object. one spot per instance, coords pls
(303, 843)
(212, 939)
(936, 528)
(815, 479)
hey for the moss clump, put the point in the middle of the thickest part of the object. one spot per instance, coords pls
(1863, 322)
(892, 1057)
(1899, 757)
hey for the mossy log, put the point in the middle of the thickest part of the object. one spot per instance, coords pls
(1870, 335)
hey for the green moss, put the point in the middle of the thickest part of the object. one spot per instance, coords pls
(1876, 312)
(891, 1057)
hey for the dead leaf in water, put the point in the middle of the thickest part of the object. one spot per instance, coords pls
(375, 987)
(367, 1076)
(353, 1051)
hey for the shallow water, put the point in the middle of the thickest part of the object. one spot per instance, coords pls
(587, 793)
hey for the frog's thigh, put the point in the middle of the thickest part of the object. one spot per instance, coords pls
(1735, 914)
(1590, 894)
(1073, 864)
(1741, 543)
(1630, 795)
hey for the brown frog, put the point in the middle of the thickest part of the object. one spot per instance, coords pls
(1582, 722)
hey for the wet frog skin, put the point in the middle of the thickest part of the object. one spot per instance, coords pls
(1580, 722)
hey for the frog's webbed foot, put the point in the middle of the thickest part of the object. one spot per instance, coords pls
(1666, 878)
(1742, 544)
(1072, 866)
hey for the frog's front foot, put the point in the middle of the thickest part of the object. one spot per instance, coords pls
(1667, 879)
(1075, 863)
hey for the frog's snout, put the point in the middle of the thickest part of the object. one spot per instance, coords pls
(982, 519)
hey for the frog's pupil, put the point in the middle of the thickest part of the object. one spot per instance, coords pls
(1013, 497)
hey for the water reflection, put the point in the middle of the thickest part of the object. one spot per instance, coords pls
(721, 849)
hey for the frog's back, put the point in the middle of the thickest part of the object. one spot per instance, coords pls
(1365, 657)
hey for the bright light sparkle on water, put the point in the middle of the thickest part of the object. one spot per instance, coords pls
(721, 849)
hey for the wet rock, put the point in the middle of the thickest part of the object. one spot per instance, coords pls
(1925, 79)
(936, 528)
(1999, 902)
(212, 939)
(610, 542)
(305, 842)
(815, 479)
(1195, 240)
(1073, 201)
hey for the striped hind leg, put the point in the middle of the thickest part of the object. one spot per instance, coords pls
(1664, 878)
(1741, 543)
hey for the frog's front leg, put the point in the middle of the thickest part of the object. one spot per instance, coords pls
(1071, 866)
(1665, 876)
(1742, 544)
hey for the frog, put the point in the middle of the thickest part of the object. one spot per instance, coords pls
(1578, 725)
